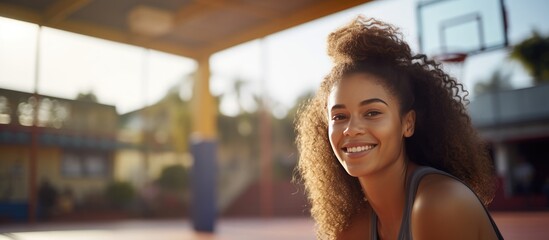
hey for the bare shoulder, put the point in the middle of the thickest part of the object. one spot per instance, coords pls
(359, 227)
(445, 208)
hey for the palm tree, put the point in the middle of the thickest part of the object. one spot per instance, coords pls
(533, 54)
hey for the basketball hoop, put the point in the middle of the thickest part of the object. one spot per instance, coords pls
(451, 57)
(453, 63)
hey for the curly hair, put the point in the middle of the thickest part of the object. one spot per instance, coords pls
(444, 137)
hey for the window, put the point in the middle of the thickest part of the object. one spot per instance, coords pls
(71, 166)
(91, 165)
(5, 110)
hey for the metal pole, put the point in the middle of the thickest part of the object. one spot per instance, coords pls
(480, 32)
(266, 197)
(34, 136)
(146, 128)
(505, 24)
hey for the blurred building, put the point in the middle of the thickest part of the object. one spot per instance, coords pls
(74, 145)
(83, 146)
(516, 125)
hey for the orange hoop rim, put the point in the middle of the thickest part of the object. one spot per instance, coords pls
(451, 57)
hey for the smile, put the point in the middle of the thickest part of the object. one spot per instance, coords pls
(358, 148)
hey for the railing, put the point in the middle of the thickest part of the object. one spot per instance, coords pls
(17, 109)
(510, 107)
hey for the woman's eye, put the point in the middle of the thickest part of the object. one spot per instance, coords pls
(338, 117)
(372, 113)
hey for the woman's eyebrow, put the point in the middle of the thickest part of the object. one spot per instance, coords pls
(338, 106)
(364, 102)
(372, 100)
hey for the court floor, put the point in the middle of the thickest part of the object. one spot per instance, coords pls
(513, 225)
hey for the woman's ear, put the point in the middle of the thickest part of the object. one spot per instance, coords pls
(409, 123)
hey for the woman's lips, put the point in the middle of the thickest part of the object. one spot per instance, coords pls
(357, 149)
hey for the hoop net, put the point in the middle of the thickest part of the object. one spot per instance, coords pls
(453, 63)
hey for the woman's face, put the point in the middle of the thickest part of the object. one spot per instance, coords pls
(365, 127)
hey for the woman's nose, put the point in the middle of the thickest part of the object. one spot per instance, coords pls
(354, 127)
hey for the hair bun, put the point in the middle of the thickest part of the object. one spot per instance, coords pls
(366, 39)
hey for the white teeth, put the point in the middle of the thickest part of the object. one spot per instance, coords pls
(359, 148)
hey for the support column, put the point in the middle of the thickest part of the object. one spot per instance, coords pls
(501, 153)
(204, 151)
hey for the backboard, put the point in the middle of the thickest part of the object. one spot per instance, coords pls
(461, 26)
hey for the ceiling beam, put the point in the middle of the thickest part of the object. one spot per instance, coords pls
(31, 16)
(57, 16)
(244, 7)
(59, 10)
(20, 13)
(106, 33)
(180, 16)
(189, 11)
(319, 10)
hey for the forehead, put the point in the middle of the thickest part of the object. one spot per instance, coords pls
(357, 87)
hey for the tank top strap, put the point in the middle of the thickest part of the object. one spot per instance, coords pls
(373, 226)
(412, 183)
(411, 186)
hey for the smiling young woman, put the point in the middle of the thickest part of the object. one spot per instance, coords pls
(387, 150)
(365, 128)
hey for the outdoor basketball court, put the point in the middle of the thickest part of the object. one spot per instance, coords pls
(513, 225)
(451, 31)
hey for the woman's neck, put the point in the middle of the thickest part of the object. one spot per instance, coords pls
(386, 193)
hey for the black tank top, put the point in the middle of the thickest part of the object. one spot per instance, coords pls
(405, 232)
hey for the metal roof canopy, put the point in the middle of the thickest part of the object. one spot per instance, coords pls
(189, 28)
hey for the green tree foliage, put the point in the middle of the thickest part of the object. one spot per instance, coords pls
(173, 178)
(87, 97)
(533, 54)
(120, 193)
